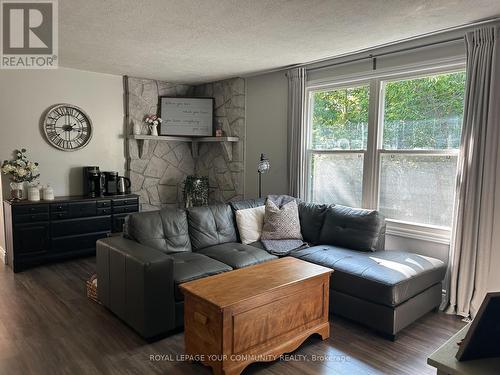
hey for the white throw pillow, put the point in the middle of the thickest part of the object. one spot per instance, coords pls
(250, 222)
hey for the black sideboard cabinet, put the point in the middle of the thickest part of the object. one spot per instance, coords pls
(44, 231)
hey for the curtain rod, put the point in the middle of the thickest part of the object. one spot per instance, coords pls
(375, 55)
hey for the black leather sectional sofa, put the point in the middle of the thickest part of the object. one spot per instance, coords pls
(139, 273)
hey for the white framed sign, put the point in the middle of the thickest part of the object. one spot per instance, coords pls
(186, 116)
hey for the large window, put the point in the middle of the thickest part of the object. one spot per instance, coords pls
(390, 144)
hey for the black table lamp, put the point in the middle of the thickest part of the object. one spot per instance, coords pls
(262, 167)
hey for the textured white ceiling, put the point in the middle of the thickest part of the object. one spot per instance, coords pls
(205, 40)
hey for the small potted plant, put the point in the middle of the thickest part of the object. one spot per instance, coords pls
(20, 170)
(152, 121)
(195, 191)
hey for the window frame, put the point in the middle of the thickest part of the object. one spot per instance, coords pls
(372, 155)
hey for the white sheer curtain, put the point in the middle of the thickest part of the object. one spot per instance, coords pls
(297, 184)
(472, 245)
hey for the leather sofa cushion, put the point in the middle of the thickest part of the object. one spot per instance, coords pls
(165, 230)
(385, 277)
(352, 228)
(312, 217)
(211, 225)
(258, 245)
(237, 255)
(192, 266)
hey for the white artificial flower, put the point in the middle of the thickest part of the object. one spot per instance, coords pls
(8, 168)
(21, 172)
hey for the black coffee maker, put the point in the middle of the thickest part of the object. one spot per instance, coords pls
(110, 183)
(93, 182)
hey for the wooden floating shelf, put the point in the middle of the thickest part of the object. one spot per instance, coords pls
(226, 142)
(183, 139)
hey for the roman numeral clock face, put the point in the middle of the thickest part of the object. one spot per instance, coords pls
(67, 127)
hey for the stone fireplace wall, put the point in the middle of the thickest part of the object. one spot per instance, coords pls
(226, 177)
(158, 169)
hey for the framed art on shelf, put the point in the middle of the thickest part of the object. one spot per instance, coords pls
(186, 116)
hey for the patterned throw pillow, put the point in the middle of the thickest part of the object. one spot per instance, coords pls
(281, 223)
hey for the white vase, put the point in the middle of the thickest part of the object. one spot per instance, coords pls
(136, 128)
(154, 130)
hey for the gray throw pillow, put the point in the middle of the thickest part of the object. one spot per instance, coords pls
(281, 223)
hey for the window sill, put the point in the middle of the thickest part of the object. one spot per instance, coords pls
(418, 232)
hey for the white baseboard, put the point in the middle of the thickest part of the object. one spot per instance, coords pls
(3, 258)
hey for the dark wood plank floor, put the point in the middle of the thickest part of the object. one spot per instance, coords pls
(48, 326)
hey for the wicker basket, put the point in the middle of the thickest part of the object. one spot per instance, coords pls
(92, 288)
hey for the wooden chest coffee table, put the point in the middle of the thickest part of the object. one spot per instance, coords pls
(254, 314)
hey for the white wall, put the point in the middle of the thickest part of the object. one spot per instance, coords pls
(26, 94)
(266, 132)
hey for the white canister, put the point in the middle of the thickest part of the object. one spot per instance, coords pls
(34, 193)
(48, 193)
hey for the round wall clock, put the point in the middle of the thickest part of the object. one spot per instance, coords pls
(67, 127)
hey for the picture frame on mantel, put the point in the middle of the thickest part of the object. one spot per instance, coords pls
(186, 116)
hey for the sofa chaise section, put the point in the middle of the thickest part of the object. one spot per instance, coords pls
(385, 277)
(385, 290)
